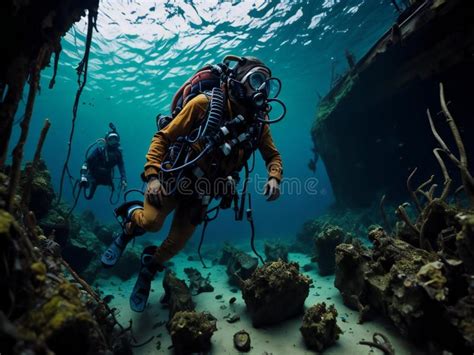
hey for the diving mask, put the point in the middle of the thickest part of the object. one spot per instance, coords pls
(261, 86)
(112, 139)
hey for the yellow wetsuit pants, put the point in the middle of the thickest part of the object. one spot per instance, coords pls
(151, 219)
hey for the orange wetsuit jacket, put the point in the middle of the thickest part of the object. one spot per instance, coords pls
(182, 125)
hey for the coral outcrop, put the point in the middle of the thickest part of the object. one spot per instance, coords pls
(304, 242)
(41, 310)
(41, 190)
(421, 277)
(177, 295)
(320, 329)
(275, 292)
(276, 251)
(408, 285)
(355, 222)
(325, 248)
(197, 283)
(191, 331)
(240, 265)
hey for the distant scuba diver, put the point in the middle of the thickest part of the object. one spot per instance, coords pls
(98, 169)
(220, 117)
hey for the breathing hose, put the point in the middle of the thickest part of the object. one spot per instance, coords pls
(185, 165)
(214, 117)
(206, 222)
(252, 228)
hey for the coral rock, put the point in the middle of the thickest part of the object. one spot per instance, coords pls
(421, 293)
(65, 323)
(276, 251)
(304, 242)
(431, 278)
(326, 243)
(129, 264)
(351, 261)
(242, 341)
(42, 193)
(192, 331)
(240, 266)
(198, 284)
(465, 241)
(320, 328)
(275, 292)
(462, 316)
(177, 294)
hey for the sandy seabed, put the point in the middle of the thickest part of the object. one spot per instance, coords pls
(284, 338)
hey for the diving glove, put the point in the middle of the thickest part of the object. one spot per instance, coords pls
(148, 269)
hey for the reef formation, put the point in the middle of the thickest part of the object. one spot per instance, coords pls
(319, 328)
(275, 292)
(420, 275)
(45, 305)
(190, 331)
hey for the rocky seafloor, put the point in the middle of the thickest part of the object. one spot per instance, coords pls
(59, 299)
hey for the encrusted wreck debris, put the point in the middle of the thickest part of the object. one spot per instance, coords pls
(379, 102)
(275, 292)
(197, 283)
(275, 251)
(240, 265)
(421, 278)
(320, 329)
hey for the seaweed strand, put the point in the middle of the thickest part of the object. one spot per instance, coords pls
(81, 81)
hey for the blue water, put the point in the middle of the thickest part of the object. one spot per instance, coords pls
(144, 50)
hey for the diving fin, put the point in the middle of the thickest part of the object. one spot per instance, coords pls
(141, 290)
(115, 250)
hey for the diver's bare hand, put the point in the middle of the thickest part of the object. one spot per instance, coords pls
(154, 192)
(272, 189)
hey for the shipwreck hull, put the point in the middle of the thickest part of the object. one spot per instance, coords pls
(371, 130)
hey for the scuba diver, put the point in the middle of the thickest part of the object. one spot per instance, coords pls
(98, 169)
(220, 117)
